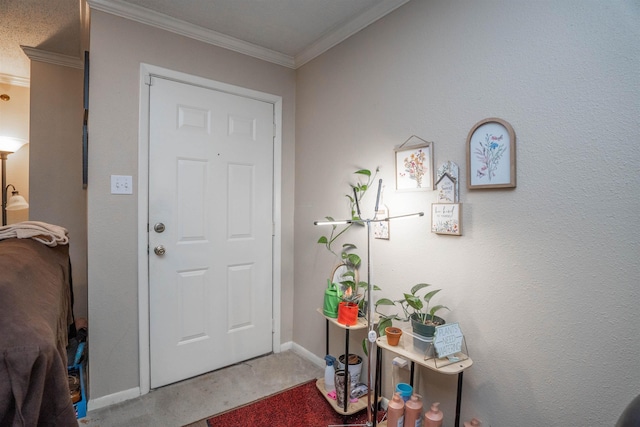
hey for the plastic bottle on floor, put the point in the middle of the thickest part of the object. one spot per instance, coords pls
(329, 372)
(395, 413)
(434, 416)
(413, 412)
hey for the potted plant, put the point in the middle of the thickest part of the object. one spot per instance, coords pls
(348, 307)
(418, 310)
(347, 256)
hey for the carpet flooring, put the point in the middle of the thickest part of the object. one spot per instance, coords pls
(300, 406)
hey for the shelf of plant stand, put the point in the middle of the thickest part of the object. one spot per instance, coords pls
(352, 407)
(405, 349)
(362, 322)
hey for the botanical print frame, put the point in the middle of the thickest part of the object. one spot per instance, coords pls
(446, 218)
(491, 155)
(414, 165)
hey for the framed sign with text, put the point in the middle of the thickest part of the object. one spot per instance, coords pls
(445, 218)
(448, 339)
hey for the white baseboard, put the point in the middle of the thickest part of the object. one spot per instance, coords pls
(319, 361)
(285, 346)
(112, 399)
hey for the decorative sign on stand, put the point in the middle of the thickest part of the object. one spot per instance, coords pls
(448, 339)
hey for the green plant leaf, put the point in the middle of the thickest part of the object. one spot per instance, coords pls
(417, 287)
(413, 301)
(437, 308)
(323, 240)
(429, 295)
(384, 322)
(349, 273)
(352, 259)
(366, 172)
(384, 301)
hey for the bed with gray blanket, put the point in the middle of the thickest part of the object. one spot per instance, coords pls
(35, 315)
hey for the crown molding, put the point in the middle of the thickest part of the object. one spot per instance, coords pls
(52, 57)
(344, 32)
(164, 22)
(177, 26)
(8, 79)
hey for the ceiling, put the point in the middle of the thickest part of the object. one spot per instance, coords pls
(287, 32)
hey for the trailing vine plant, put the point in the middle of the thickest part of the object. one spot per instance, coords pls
(347, 253)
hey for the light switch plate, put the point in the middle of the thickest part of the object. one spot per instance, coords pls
(121, 184)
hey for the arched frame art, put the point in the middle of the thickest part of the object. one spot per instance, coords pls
(491, 155)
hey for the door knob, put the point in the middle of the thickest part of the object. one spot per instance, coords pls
(159, 250)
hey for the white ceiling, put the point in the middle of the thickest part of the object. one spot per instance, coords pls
(287, 32)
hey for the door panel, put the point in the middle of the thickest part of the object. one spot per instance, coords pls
(211, 185)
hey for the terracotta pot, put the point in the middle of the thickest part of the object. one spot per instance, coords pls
(347, 313)
(393, 335)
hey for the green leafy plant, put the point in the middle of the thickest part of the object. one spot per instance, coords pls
(420, 308)
(347, 253)
(358, 190)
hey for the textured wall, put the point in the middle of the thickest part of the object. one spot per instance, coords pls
(55, 168)
(544, 280)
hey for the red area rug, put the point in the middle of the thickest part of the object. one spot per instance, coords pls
(300, 406)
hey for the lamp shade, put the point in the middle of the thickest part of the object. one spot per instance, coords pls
(16, 202)
(10, 144)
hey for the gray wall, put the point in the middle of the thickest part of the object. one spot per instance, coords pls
(118, 47)
(55, 163)
(544, 280)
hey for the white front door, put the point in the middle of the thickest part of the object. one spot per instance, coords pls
(211, 213)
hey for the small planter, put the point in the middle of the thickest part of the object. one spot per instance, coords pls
(424, 329)
(348, 313)
(423, 341)
(393, 335)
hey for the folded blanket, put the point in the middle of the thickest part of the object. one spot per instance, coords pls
(48, 234)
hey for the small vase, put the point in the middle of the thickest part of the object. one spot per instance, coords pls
(347, 313)
(393, 335)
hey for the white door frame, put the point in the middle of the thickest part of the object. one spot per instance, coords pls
(147, 70)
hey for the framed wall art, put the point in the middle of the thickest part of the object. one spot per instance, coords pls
(491, 155)
(414, 165)
(447, 183)
(445, 218)
(446, 187)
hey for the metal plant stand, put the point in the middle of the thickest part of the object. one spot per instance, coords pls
(371, 335)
